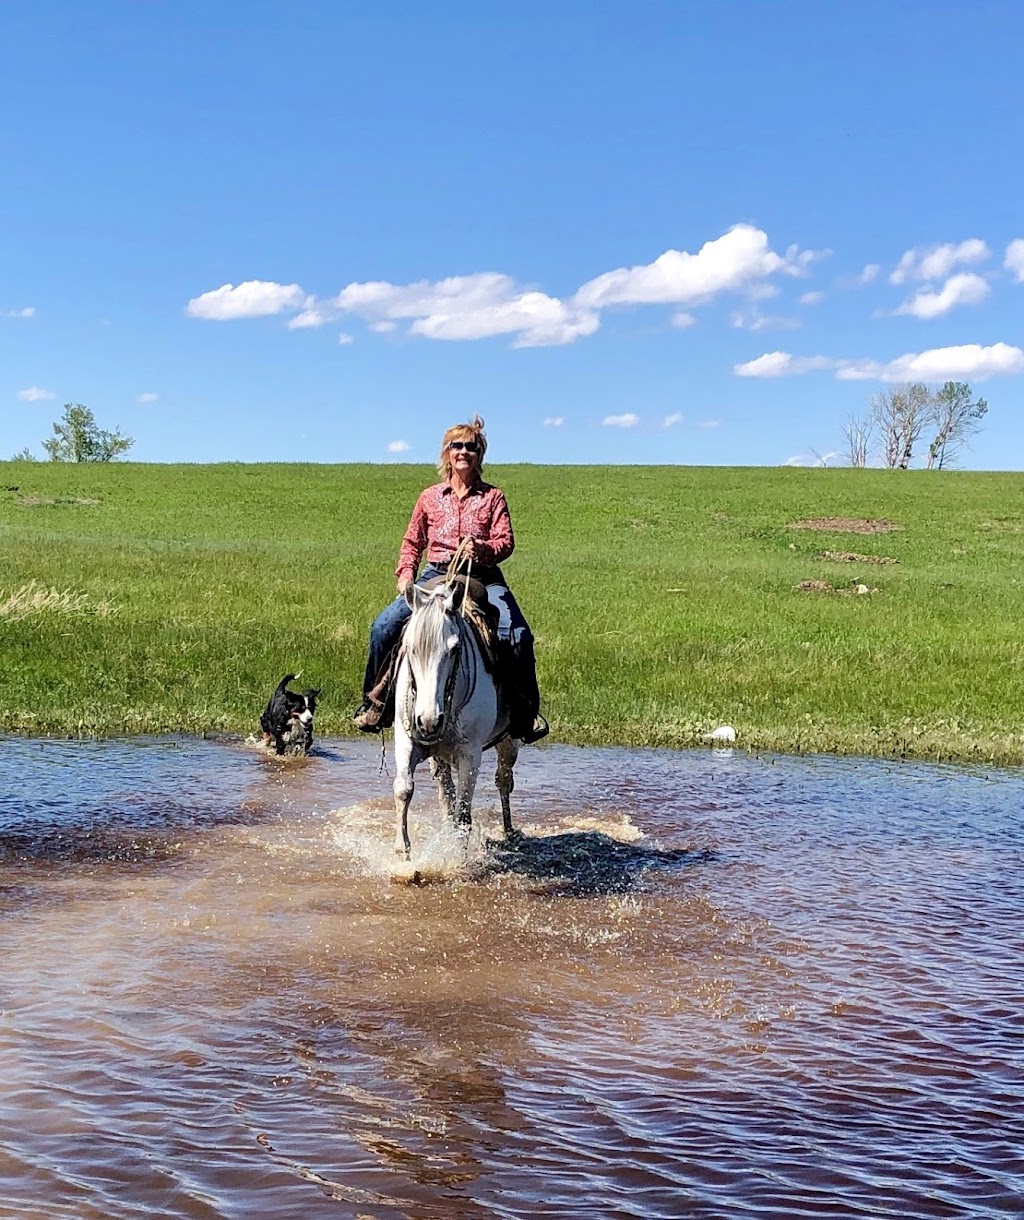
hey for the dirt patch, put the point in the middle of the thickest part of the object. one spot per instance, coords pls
(1003, 525)
(823, 586)
(853, 557)
(43, 501)
(846, 525)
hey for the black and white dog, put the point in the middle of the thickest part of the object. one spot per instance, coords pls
(287, 723)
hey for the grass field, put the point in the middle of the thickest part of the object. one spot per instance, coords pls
(665, 600)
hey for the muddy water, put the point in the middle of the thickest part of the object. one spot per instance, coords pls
(702, 984)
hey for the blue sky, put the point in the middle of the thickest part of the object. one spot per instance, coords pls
(622, 232)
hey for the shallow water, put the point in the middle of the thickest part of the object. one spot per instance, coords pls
(702, 984)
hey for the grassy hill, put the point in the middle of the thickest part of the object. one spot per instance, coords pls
(665, 600)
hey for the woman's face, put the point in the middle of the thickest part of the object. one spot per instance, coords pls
(464, 455)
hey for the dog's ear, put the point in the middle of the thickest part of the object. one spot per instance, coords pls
(315, 693)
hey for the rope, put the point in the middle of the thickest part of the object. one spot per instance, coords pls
(464, 551)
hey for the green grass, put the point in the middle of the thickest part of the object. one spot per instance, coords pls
(663, 600)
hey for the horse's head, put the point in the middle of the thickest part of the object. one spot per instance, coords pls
(432, 650)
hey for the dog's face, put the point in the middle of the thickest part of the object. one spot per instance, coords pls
(288, 720)
(302, 709)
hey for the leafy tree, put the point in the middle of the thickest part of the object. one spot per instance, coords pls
(24, 455)
(77, 438)
(956, 417)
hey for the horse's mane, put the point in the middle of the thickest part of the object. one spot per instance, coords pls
(425, 627)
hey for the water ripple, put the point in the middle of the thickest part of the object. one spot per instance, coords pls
(701, 984)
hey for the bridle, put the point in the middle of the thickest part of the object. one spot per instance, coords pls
(448, 708)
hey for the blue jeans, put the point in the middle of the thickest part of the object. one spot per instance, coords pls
(387, 626)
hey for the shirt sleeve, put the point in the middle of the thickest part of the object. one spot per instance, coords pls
(502, 542)
(414, 543)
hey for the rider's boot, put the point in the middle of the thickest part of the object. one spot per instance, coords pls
(377, 710)
(525, 721)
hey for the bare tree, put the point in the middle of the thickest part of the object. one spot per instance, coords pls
(900, 415)
(857, 432)
(956, 417)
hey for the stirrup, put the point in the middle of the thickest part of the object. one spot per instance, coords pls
(540, 728)
(367, 719)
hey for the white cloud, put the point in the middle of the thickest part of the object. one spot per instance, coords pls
(629, 420)
(28, 312)
(469, 307)
(963, 289)
(710, 423)
(936, 262)
(870, 273)
(310, 317)
(771, 364)
(537, 320)
(810, 459)
(398, 447)
(754, 320)
(670, 421)
(969, 361)
(761, 292)
(490, 303)
(735, 261)
(554, 421)
(149, 397)
(781, 364)
(812, 298)
(34, 394)
(252, 299)
(1014, 260)
(344, 338)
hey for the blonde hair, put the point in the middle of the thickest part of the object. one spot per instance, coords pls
(473, 431)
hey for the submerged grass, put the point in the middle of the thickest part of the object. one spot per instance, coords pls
(666, 600)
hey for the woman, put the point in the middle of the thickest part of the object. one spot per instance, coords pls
(460, 507)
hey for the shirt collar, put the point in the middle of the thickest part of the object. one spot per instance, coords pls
(476, 489)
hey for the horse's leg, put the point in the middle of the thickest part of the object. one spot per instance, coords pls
(508, 751)
(407, 757)
(442, 773)
(467, 769)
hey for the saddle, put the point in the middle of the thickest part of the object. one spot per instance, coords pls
(480, 613)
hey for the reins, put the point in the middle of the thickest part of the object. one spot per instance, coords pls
(464, 551)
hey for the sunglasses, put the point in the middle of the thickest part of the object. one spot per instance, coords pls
(469, 446)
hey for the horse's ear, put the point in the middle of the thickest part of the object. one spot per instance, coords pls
(456, 594)
(410, 595)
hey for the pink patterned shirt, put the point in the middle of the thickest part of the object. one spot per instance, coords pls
(441, 520)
